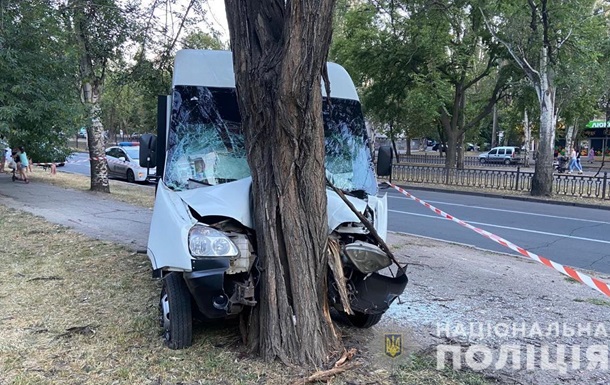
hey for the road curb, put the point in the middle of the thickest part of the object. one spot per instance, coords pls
(517, 198)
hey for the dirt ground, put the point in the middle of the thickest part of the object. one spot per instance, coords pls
(455, 290)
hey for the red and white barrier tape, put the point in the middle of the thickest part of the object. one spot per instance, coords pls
(595, 283)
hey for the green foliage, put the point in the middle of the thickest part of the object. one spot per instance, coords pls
(38, 97)
(415, 61)
(203, 40)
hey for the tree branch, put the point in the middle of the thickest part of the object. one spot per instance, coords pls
(564, 40)
(482, 74)
(521, 62)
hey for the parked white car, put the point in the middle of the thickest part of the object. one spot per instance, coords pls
(123, 163)
(506, 155)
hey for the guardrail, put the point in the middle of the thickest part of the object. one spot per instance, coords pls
(514, 180)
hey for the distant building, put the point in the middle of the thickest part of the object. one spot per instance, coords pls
(595, 133)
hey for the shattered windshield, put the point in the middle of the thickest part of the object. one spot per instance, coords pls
(206, 145)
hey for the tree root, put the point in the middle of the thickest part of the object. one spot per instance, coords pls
(342, 365)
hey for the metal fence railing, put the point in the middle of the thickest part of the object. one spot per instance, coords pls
(515, 180)
(434, 158)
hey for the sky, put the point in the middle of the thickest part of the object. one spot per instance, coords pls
(216, 9)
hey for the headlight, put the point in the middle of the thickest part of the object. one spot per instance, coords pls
(205, 241)
(366, 257)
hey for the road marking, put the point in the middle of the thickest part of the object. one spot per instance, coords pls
(508, 228)
(507, 211)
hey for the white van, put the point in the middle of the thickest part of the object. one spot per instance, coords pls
(506, 154)
(202, 240)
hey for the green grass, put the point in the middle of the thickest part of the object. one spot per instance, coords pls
(594, 301)
(421, 370)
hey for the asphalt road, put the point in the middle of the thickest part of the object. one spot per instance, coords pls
(77, 163)
(568, 235)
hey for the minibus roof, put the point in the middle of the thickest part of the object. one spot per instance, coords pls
(215, 69)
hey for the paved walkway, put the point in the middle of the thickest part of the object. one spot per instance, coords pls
(92, 214)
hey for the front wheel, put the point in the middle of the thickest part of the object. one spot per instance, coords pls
(482, 160)
(131, 178)
(362, 320)
(175, 312)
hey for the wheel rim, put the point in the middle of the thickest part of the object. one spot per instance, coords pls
(130, 176)
(164, 314)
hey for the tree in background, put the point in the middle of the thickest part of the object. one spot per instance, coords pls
(99, 29)
(279, 53)
(420, 66)
(539, 38)
(374, 44)
(39, 104)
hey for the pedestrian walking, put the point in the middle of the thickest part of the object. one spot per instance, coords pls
(575, 161)
(23, 164)
(572, 160)
(591, 155)
(578, 165)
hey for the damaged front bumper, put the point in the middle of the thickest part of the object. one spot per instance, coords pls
(374, 293)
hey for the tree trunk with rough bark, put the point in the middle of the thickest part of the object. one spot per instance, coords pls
(92, 86)
(528, 138)
(494, 126)
(97, 150)
(459, 148)
(542, 181)
(279, 52)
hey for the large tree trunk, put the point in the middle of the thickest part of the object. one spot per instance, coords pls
(528, 138)
(494, 126)
(279, 51)
(97, 151)
(542, 182)
(451, 154)
(92, 86)
(459, 148)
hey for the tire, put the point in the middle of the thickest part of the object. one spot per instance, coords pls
(175, 312)
(131, 178)
(507, 162)
(482, 160)
(362, 320)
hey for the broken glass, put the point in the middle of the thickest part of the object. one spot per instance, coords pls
(206, 145)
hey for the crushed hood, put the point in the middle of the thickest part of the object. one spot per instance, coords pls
(232, 200)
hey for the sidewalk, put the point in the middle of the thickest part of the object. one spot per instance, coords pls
(92, 214)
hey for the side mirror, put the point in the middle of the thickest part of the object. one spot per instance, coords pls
(122, 158)
(384, 161)
(148, 151)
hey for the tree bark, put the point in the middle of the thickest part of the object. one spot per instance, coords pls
(459, 148)
(92, 86)
(393, 141)
(494, 126)
(451, 154)
(97, 151)
(542, 181)
(279, 52)
(528, 138)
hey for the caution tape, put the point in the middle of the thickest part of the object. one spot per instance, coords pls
(595, 283)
